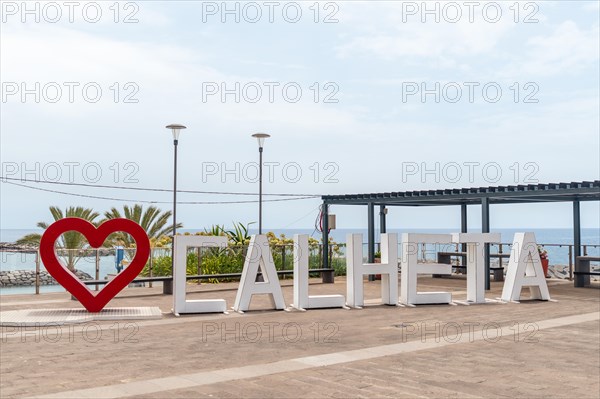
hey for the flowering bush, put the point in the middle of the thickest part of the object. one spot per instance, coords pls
(543, 253)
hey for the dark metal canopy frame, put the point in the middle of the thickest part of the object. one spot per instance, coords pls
(573, 192)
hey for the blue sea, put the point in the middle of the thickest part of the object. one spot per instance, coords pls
(557, 251)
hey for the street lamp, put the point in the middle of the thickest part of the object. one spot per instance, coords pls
(261, 140)
(176, 129)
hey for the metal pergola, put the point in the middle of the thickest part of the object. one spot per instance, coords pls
(574, 192)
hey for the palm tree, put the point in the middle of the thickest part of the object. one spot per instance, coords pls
(32, 239)
(152, 220)
(71, 241)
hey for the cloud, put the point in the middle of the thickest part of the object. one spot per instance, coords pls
(170, 78)
(398, 36)
(591, 6)
(567, 50)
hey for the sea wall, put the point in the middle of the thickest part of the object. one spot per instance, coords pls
(17, 278)
(14, 247)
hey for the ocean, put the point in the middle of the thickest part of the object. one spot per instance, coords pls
(589, 236)
(558, 252)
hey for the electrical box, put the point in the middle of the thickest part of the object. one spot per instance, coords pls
(331, 221)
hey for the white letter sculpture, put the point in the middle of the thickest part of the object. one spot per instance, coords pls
(410, 270)
(180, 305)
(525, 270)
(259, 254)
(475, 263)
(355, 270)
(302, 300)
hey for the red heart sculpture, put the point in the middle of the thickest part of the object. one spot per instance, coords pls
(96, 237)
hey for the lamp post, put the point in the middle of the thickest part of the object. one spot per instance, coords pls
(176, 129)
(261, 140)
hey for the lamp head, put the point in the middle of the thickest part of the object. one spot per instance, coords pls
(261, 138)
(176, 129)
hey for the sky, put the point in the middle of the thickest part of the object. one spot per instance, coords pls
(358, 97)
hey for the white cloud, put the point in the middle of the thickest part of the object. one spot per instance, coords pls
(169, 77)
(567, 50)
(593, 5)
(397, 36)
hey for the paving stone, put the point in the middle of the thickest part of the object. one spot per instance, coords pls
(563, 362)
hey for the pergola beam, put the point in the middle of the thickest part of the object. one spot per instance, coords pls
(582, 191)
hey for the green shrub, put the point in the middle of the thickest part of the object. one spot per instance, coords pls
(231, 260)
(161, 265)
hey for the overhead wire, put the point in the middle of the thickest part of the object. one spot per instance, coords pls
(157, 202)
(4, 179)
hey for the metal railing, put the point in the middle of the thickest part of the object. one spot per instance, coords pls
(501, 249)
(283, 257)
(570, 248)
(100, 263)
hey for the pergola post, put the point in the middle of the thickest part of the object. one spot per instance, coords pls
(485, 228)
(463, 224)
(463, 218)
(382, 221)
(371, 236)
(328, 276)
(576, 229)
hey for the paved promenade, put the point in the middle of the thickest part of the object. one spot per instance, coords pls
(532, 349)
